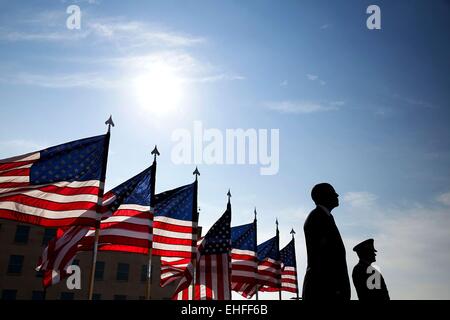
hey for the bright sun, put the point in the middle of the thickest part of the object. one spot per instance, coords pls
(159, 90)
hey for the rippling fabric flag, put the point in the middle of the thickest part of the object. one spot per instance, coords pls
(244, 266)
(126, 223)
(59, 254)
(269, 265)
(175, 230)
(175, 222)
(125, 226)
(55, 187)
(213, 266)
(289, 280)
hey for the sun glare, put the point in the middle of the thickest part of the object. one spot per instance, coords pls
(159, 90)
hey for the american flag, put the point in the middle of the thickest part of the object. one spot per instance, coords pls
(55, 187)
(269, 265)
(59, 254)
(243, 259)
(126, 226)
(289, 280)
(185, 288)
(175, 230)
(126, 223)
(212, 270)
(172, 268)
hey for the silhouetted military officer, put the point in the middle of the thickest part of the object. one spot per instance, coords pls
(326, 274)
(368, 281)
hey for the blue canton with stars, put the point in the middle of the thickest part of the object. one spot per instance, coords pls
(218, 238)
(243, 237)
(79, 160)
(177, 203)
(269, 249)
(287, 254)
(133, 191)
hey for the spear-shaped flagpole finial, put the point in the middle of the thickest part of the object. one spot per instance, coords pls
(293, 233)
(229, 195)
(196, 173)
(110, 123)
(155, 152)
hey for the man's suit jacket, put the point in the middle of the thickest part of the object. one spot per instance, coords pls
(326, 274)
(360, 277)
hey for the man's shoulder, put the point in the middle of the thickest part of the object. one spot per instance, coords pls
(316, 215)
(360, 267)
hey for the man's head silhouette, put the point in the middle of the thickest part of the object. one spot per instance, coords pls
(325, 195)
(366, 251)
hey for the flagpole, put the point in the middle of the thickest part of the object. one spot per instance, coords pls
(155, 153)
(101, 190)
(295, 265)
(94, 262)
(195, 213)
(278, 244)
(229, 251)
(256, 255)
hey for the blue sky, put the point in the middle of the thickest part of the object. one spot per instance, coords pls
(366, 110)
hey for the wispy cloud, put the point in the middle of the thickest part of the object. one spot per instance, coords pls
(120, 72)
(138, 34)
(217, 77)
(294, 214)
(187, 67)
(47, 36)
(284, 83)
(325, 26)
(337, 103)
(81, 1)
(313, 77)
(299, 107)
(444, 198)
(49, 26)
(72, 80)
(46, 18)
(360, 199)
(136, 48)
(414, 102)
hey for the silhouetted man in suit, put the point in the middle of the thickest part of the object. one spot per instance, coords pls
(368, 281)
(326, 274)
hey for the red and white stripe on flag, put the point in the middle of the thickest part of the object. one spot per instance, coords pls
(213, 277)
(128, 229)
(174, 237)
(59, 186)
(55, 204)
(172, 268)
(185, 294)
(59, 254)
(269, 275)
(212, 280)
(244, 269)
(174, 241)
(213, 263)
(289, 279)
(184, 289)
